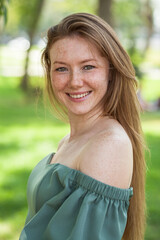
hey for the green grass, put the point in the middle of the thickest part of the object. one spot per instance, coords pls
(28, 133)
(151, 128)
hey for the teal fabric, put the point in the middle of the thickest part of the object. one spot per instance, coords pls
(66, 204)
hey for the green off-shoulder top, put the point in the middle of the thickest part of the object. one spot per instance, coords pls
(66, 204)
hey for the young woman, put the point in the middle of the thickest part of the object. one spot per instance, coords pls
(84, 190)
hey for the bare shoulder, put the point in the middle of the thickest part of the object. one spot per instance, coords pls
(108, 156)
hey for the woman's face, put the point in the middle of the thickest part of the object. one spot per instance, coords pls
(79, 75)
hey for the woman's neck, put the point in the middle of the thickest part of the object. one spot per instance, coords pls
(81, 125)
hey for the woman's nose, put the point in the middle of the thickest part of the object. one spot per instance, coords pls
(75, 79)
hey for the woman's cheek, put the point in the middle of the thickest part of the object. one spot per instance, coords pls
(55, 83)
(59, 82)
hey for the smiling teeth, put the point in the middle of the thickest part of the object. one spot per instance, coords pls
(79, 95)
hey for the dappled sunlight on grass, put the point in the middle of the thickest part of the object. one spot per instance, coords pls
(151, 127)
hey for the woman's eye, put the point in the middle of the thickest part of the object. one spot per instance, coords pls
(88, 67)
(61, 69)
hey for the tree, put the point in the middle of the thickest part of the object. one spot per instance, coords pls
(3, 10)
(148, 19)
(104, 10)
(23, 19)
(31, 30)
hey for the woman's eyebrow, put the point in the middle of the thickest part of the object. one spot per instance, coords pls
(88, 60)
(59, 62)
(83, 61)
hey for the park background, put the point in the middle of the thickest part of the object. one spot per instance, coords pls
(28, 129)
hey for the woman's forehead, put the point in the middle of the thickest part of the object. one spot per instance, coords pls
(74, 46)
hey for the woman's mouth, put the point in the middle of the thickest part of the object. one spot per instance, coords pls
(78, 95)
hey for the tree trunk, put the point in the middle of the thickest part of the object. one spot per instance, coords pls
(25, 79)
(148, 16)
(31, 33)
(104, 11)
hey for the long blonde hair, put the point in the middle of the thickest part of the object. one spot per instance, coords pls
(120, 100)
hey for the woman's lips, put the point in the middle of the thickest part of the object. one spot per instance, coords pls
(79, 95)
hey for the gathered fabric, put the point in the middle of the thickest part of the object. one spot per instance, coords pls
(66, 204)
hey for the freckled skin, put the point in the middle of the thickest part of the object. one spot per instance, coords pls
(97, 146)
(73, 52)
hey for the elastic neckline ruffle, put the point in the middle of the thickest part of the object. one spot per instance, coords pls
(79, 178)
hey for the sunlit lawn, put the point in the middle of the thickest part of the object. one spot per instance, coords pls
(28, 133)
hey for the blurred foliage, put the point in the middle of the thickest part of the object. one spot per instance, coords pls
(125, 21)
(21, 12)
(3, 9)
(137, 58)
(123, 12)
(130, 28)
